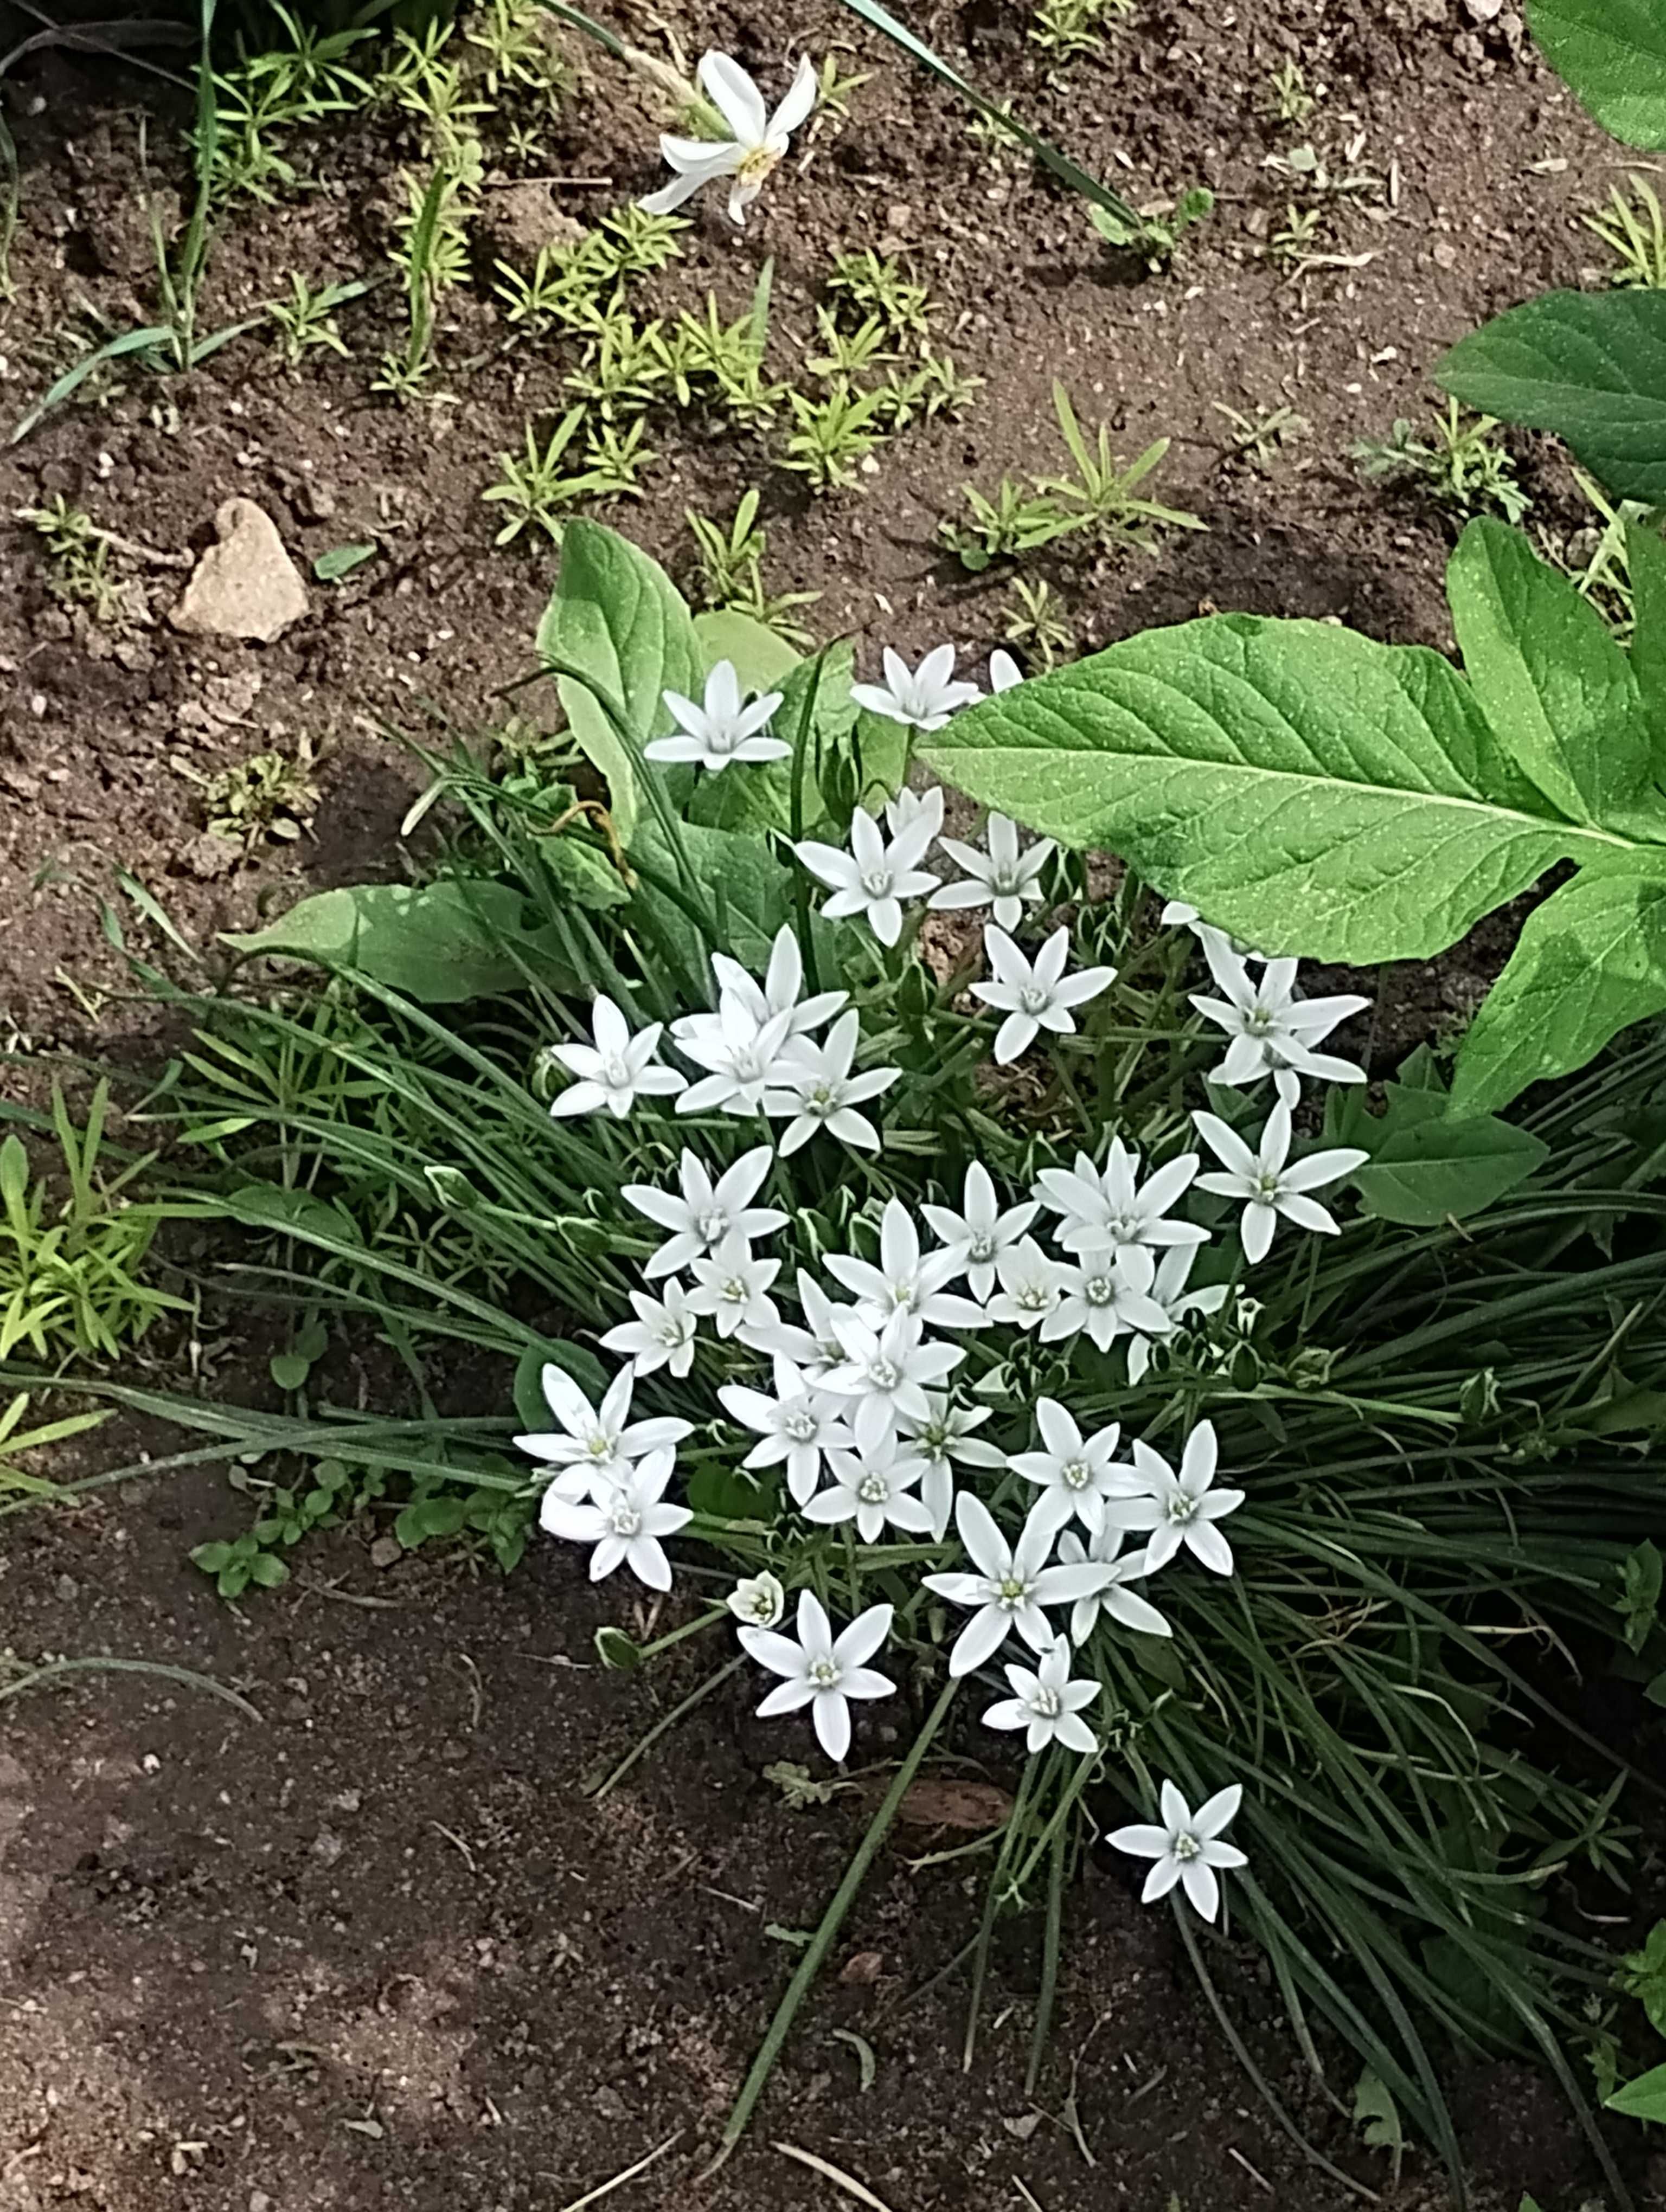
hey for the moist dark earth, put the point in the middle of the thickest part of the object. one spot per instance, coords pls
(378, 1947)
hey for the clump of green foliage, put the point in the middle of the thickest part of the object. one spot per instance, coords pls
(1102, 502)
(1458, 459)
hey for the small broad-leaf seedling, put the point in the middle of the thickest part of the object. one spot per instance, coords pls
(1156, 237)
(1459, 460)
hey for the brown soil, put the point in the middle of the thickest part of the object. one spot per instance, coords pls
(378, 1950)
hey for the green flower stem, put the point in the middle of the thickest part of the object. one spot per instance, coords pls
(677, 1634)
(1050, 1980)
(991, 1902)
(831, 1920)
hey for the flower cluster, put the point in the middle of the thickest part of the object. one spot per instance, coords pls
(847, 1383)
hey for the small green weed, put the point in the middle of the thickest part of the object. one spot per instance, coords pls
(78, 553)
(1261, 438)
(1289, 100)
(834, 437)
(730, 571)
(1458, 460)
(1102, 499)
(1035, 624)
(533, 487)
(1067, 29)
(834, 87)
(270, 794)
(1634, 230)
(878, 284)
(1156, 236)
(306, 320)
(70, 1269)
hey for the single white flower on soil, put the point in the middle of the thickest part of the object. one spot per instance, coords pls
(873, 879)
(1180, 1508)
(923, 697)
(625, 1522)
(596, 1445)
(702, 1213)
(1010, 1583)
(873, 1490)
(903, 1282)
(1108, 1295)
(1034, 995)
(721, 730)
(1004, 878)
(820, 1673)
(797, 1425)
(755, 152)
(758, 1600)
(1187, 1847)
(616, 1070)
(1102, 1209)
(981, 1232)
(818, 1090)
(1268, 1182)
(1272, 1031)
(732, 1287)
(1047, 1704)
(936, 1443)
(1031, 1284)
(1170, 1292)
(662, 1335)
(886, 1371)
(742, 1055)
(779, 992)
(1082, 1471)
(1004, 672)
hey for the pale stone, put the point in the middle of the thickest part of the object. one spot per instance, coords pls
(244, 587)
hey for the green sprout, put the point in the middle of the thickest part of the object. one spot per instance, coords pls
(305, 320)
(1460, 462)
(1156, 236)
(1035, 624)
(532, 487)
(730, 567)
(834, 437)
(1635, 232)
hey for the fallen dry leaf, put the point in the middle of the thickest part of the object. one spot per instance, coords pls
(974, 1806)
(861, 1967)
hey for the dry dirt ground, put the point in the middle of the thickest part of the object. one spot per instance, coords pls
(376, 1948)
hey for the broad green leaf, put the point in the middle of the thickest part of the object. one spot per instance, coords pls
(729, 1493)
(532, 1408)
(617, 616)
(1642, 2099)
(1308, 790)
(1427, 1167)
(1557, 689)
(270, 1206)
(1591, 366)
(1613, 54)
(758, 657)
(1589, 961)
(882, 758)
(439, 943)
(747, 889)
(1646, 559)
(1377, 2118)
(1643, 1976)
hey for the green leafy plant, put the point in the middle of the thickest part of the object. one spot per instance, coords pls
(1034, 622)
(80, 555)
(307, 321)
(1289, 99)
(832, 436)
(1634, 231)
(1066, 29)
(1426, 801)
(1461, 463)
(270, 794)
(1587, 365)
(731, 572)
(1101, 500)
(1155, 238)
(877, 286)
(72, 1267)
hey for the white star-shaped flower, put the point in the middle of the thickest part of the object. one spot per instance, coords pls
(1031, 1284)
(1270, 1183)
(662, 1335)
(759, 143)
(1005, 878)
(798, 1426)
(935, 1443)
(1101, 1210)
(1108, 1295)
(1010, 1583)
(1272, 1031)
(742, 1055)
(733, 1287)
(594, 1446)
(1082, 1471)
(979, 1234)
(702, 1214)
(779, 992)
(873, 879)
(887, 1371)
(1034, 995)
(1180, 1508)
(1047, 1705)
(757, 1601)
(903, 1282)
(923, 697)
(625, 1522)
(876, 1491)
(616, 1070)
(1187, 1847)
(1103, 1548)
(818, 1672)
(817, 1090)
(721, 730)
